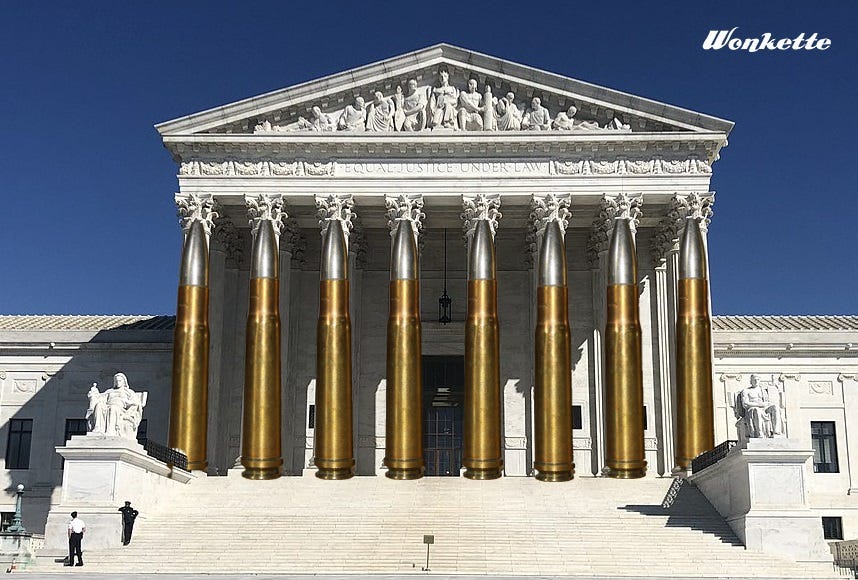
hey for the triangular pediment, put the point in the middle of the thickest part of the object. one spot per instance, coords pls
(414, 97)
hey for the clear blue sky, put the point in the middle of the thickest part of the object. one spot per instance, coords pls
(86, 187)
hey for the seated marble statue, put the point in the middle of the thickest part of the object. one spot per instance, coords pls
(758, 415)
(321, 121)
(470, 108)
(353, 117)
(442, 104)
(537, 117)
(117, 411)
(380, 114)
(616, 124)
(566, 121)
(508, 114)
(413, 109)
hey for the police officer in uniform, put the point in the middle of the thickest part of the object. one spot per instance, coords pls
(129, 514)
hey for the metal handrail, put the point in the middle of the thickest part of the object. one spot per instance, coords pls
(710, 458)
(162, 453)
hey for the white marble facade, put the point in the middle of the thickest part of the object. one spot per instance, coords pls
(601, 148)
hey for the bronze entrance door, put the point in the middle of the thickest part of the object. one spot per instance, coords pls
(443, 399)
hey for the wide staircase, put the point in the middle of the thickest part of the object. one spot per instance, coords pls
(512, 526)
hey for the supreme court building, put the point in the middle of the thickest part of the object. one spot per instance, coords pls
(450, 143)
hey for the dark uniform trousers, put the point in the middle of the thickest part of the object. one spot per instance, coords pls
(74, 548)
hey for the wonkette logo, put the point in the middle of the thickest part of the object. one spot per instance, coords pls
(718, 39)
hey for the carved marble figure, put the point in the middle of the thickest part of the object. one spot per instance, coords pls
(470, 108)
(117, 411)
(380, 114)
(537, 117)
(321, 121)
(398, 105)
(616, 124)
(508, 114)
(353, 117)
(490, 120)
(758, 415)
(442, 103)
(566, 121)
(414, 108)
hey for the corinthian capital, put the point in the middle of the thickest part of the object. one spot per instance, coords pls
(405, 208)
(335, 207)
(693, 205)
(478, 207)
(611, 207)
(265, 207)
(549, 207)
(194, 207)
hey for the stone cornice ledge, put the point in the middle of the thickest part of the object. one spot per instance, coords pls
(369, 145)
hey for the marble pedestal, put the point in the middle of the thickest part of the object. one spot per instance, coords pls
(100, 474)
(761, 490)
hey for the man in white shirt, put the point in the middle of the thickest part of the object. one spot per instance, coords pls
(76, 531)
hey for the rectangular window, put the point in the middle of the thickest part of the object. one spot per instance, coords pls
(18, 446)
(73, 427)
(6, 520)
(824, 439)
(311, 417)
(832, 528)
(644, 419)
(577, 420)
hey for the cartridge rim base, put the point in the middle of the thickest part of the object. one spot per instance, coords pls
(636, 473)
(482, 474)
(335, 474)
(403, 474)
(198, 465)
(554, 476)
(260, 473)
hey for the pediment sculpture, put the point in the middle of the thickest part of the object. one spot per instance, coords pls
(759, 412)
(443, 107)
(117, 411)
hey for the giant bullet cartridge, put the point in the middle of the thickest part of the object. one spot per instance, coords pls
(695, 429)
(624, 453)
(404, 433)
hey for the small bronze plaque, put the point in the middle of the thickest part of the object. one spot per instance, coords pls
(428, 539)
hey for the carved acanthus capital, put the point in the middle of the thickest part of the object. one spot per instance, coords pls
(694, 205)
(547, 208)
(405, 208)
(621, 206)
(336, 207)
(478, 207)
(264, 207)
(194, 207)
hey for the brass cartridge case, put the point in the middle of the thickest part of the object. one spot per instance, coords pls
(189, 398)
(404, 429)
(260, 442)
(482, 453)
(334, 453)
(695, 428)
(624, 453)
(552, 396)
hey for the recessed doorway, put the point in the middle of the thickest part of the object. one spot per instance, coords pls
(443, 414)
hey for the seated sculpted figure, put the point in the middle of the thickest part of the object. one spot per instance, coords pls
(758, 415)
(566, 121)
(508, 114)
(353, 117)
(537, 118)
(380, 114)
(117, 411)
(470, 108)
(413, 109)
(442, 104)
